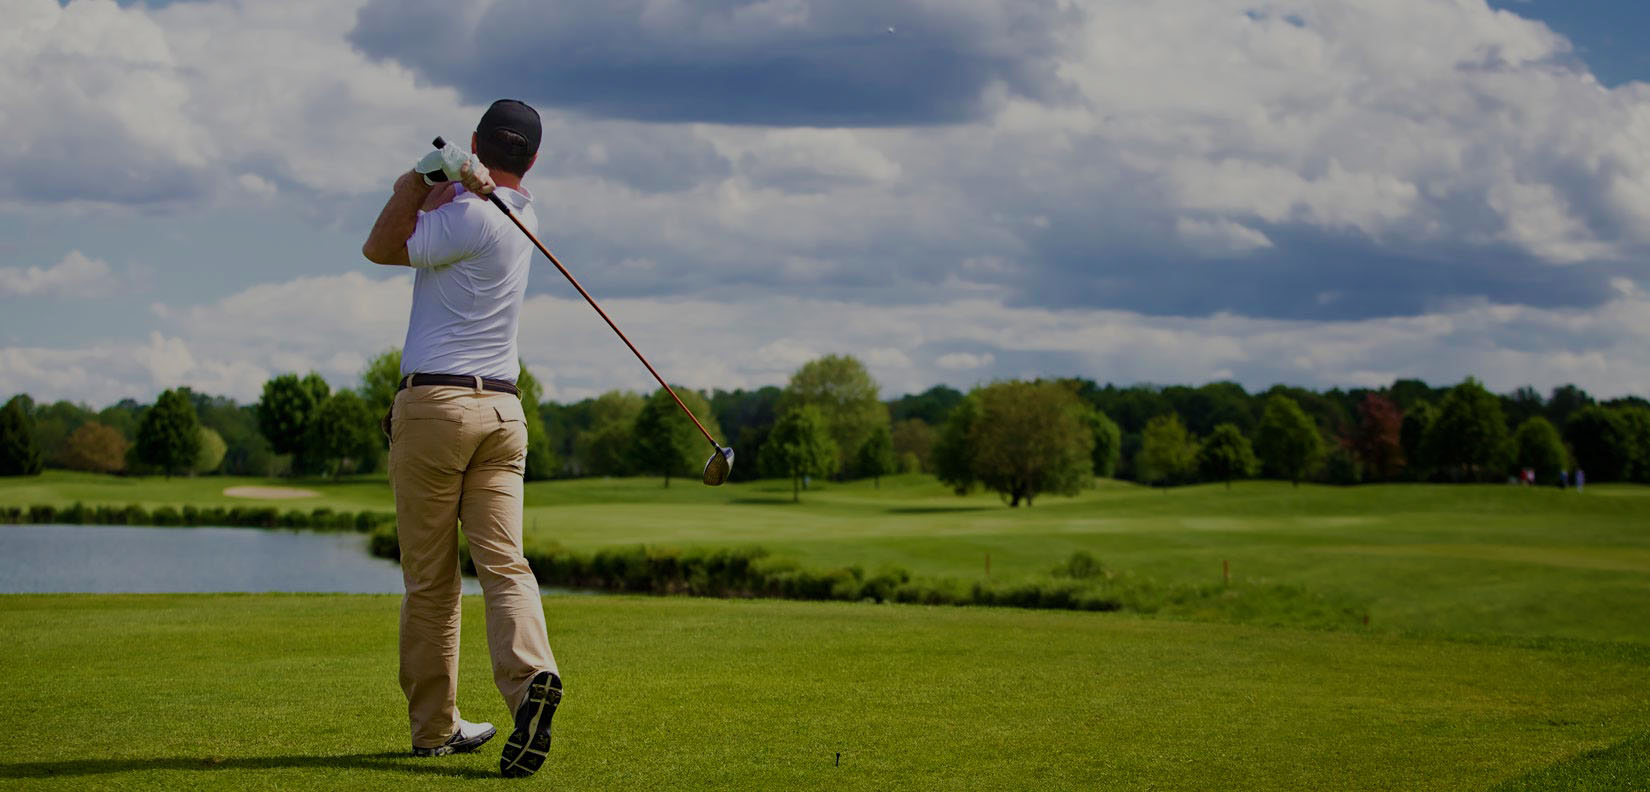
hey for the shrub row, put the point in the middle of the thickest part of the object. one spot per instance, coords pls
(235, 516)
(1080, 583)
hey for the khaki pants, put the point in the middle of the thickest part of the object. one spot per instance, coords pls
(458, 454)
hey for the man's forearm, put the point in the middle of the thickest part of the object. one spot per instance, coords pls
(387, 243)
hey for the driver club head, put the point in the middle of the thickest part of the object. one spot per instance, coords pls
(718, 466)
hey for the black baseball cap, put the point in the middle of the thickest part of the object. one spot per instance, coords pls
(515, 116)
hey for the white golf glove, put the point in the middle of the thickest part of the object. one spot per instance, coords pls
(450, 164)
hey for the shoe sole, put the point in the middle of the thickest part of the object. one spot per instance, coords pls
(529, 744)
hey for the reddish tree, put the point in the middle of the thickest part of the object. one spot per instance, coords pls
(1378, 440)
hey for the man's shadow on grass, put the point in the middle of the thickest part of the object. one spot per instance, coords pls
(389, 761)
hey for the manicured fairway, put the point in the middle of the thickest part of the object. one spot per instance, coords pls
(299, 692)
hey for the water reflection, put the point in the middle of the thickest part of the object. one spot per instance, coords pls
(109, 559)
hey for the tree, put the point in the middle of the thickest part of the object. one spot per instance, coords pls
(876, 457)
(1566, 401)
(1470, 432)
(846, 397)
(381, 380)
(1226, 454)
(604, 448)
(932, 406)
(1378, 441)
(1287, 441)
(342, 433)
(915, 437)
(1598, 439)
(1635, 424)
(542, 462)
(1168, 453)
(1412, 431)
(799, 445)
(96, 448)
(1536, 445)
(212, 451)
(169, 438)
(664, 441)
(1018, 439)
(287, 407)
(53, 423)
(954, 449)
(19, 455)
(1108, 443)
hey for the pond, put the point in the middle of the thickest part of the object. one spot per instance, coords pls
(108, 559)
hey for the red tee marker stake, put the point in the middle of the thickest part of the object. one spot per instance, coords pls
(1226, 572)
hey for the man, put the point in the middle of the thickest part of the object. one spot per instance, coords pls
(458, 436)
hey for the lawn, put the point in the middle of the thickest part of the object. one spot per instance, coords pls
(1507, 648)
(298, 692)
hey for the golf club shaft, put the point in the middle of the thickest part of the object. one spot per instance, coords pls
(499, 202)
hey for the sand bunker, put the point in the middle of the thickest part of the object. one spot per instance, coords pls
(270, 493)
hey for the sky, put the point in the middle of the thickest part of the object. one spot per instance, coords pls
(1280, 191)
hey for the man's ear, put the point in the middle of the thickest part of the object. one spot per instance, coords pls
(472, 143)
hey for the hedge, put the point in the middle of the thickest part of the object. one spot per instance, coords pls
(235, 517)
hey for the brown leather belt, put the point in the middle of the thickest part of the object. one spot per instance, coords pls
(457, 380)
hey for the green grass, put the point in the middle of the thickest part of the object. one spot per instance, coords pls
(298, 692)
(1508, 648)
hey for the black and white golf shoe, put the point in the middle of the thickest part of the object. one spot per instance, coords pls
(466, 737)
(529, 744)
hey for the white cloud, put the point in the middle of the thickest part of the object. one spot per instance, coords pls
(334, 325)
(74, 276)
(1220, 237)
(964, 361)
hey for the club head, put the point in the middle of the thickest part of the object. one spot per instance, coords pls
(718, 466)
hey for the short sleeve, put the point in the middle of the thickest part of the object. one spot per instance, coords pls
(443, 237)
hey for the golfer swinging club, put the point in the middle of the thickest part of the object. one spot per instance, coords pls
(458, 436)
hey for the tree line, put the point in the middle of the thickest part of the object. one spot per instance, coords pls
(1019, 439)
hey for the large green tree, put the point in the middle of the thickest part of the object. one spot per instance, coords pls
(1018, 439)
(846, 397)
(1538, 446)
(1598, 439)
(1108, 443)
(286, 408)
(19, 454)
(542, 460)
(875, 457)
(212, 450)
(1226, 454)
(799, 445)
(603, 449)
(1412, 431)
(169, 438)
(664, 441)
(1469, 436)
(1635, 424)
(1287, 440)
(381, 380)
(53, 423)
(343, 434)
(1168, 453)
(914, 438)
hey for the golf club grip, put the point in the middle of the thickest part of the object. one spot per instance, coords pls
(499, 202)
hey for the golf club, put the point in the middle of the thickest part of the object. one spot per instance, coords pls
(721, 460)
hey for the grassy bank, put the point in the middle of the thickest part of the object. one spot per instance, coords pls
(169, 692)
(1489, 563)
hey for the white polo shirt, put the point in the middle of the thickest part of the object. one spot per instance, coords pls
(472, 272)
